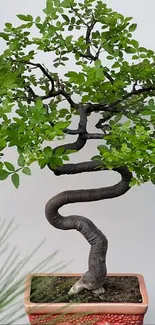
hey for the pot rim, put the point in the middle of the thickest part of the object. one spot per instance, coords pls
(89, 308)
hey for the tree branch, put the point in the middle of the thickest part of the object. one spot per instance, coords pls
(38, 65)
(88, 55)
(78, 144)
(88, 34)
(78, 15)
(72, 132)
(132, 93)
(84, 136)
(52, 92)
(107, 75)
(94, 58)
(90, 136)
(109, 108)
(31, 93)
(69, 99)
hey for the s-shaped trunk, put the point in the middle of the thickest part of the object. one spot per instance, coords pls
(93, 278)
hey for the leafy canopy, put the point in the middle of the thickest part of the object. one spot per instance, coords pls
(120, 74)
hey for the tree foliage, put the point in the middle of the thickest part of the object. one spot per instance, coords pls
(114, 77)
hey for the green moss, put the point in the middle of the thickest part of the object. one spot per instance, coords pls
(48, 289)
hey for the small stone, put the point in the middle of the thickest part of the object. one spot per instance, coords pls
(99, 292)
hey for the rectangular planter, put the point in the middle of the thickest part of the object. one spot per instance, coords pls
(82, 313)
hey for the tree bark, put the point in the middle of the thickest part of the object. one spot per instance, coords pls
(97, 270)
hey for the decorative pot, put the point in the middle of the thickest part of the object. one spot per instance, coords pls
(85, 313)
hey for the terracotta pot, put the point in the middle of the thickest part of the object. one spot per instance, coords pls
(94, 313)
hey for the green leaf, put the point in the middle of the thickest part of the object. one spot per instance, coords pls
(65, 158)
(39, 104)
(4, 36)
(49, 7)
(29, 18)
(126, 125)
(21, 160)
(153, 179)
(69, 151)
(102, 148)
(121, 54)
(26, 170)
(66, 3)
(8, 25)
(146, 112)
(135, 57)
(117, 117)
(143, 56)
(64, 58)
(58, 161)
(116, 65)
(142, 49)
(9, 166)
(99, 74)
(109, 57)
(98, 63)
(38, 19)
(133, 182)
(142, 146)
(15, 180)
(135, 43)
(70, 28)
(151, 103)
(29, 25)
(73, 20)
(57, 3)
(42, 163)
(124, 147)
(97, 157)
(3, 174)
(25, 17)
(61, 125)
(152, 171)
(48, 152)
(63, 112)
(68, 40)
(153, 175)
(55, 161)
(60, 151)
(132, 27)
(66, 18)
(130, 50)
(85, 98)
(53, 165)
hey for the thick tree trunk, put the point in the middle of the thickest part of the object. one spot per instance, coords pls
(97, 270)
(93, 278)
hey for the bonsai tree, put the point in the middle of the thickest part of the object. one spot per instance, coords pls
(114, 78)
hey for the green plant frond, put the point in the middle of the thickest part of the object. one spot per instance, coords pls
(12, 283)
(4, 235)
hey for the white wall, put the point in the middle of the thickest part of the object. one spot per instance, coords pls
(127, 221)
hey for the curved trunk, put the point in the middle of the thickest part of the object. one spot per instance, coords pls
(93, 278)
(76, 145)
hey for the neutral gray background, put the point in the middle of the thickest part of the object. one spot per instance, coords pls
(128, 221)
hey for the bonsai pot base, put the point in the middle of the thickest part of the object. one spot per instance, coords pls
(101, 319)
(102, 313)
